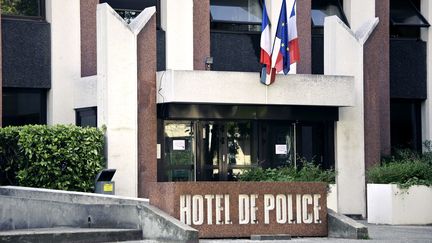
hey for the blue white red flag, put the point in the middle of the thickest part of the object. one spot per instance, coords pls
(266, 46)
(280, 53)
(292, 35)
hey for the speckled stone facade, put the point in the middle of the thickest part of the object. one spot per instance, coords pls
(147, 121)
(377, 88)
(166, 196)
(304, 35)
(201, 33)
(88, 37)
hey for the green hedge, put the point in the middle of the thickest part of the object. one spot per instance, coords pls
(308, 172)
(405, 168)
(57, 157)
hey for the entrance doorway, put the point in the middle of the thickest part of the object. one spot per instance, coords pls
(225, 149)
(221, 150)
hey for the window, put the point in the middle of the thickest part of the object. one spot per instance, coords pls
(236, 15)
(86, 117)
(130, 9)
(23, 8)
(405, 123)
(325, 8)
(405, 19)
(24, 106)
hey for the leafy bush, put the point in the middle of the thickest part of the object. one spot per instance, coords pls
(57, 157)
(308, 172)
(405, 168)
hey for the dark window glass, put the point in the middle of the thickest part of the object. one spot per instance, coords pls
(405, 13)
(22, 8)
(86, 117)
(405, 19)
(236, 15)
(130, 9)
(325, 8)
(24, 106)
(405, 123)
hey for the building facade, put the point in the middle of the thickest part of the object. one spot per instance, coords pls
(176, 86)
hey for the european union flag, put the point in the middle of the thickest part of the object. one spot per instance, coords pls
(281, 44)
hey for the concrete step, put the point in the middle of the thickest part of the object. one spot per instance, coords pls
(47, 235)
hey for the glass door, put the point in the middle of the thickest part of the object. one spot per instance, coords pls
(225, 149)
(179, 156)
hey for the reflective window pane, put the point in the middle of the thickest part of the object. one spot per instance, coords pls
(236, 11)
(31, 8)
(23, 107)
(325, 8)
(86, 117)
(179, 151)
(405, 13)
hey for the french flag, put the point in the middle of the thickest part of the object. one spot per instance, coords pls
(266, 47)
(292, 35)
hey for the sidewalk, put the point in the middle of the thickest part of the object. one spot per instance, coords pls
(377, 233)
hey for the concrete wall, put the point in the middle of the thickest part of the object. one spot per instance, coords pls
(177, 21)
(387, 204)
(358, 11)
(117, 93)
(210, 87)
(27, 208)
(64, 17)
(332, 197)
(426, 10)
(343, 55)
(85, 92)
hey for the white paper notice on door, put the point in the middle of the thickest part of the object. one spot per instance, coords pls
(281, 149)
(179, 145)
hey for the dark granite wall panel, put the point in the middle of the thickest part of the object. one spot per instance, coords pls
(201, 32)
(1, 85)
(317, 54)
(161, 56)
(26, 51)
(376, 79)
(248, 112)
(235, 51)
(408, 69)
(88, 37)
(147, 122)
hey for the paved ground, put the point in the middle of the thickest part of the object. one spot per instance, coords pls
(377, 233)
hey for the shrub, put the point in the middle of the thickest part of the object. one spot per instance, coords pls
(57, 157)
(405, 168)
(308, 172)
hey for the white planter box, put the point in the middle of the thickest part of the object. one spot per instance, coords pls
(387, 204)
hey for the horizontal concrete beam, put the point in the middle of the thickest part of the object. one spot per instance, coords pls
(245, 88)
